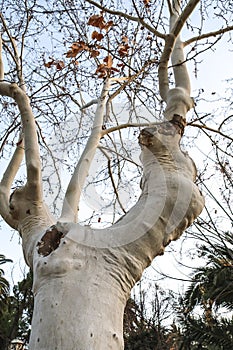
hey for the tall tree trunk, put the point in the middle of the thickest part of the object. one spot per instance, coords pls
(83, 276)
(79, 300)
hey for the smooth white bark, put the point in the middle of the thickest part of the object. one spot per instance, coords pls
(7, 180)
(76, 184)
(178, 100)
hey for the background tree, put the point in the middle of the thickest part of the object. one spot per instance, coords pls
(148, 319)
(4, 284)
(4, 293)
(211, 291)
(17, 313)
(65, 84)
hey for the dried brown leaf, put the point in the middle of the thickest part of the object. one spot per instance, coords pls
(108, 61)
(123, 50)
(125, 39)
(76, 48)
(94, 53)
(97, 21)
(96, 35)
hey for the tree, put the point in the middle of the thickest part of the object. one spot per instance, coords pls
(211, 291)
(139, 332)
(17, 313)
(4, 293)
(4, 284)
(83, 276)
(144, 326)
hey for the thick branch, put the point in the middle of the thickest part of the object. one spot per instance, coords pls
(177, 25)
(7, 180)
(32, 155)
(163, 66)
(178, 61)
(185, 14)
(73, 193)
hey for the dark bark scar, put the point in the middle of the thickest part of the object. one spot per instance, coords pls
(171, 127)
(179, 123)
(50, 241)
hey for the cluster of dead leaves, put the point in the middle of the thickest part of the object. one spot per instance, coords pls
(57, 63)
(105, 69)
(76, 48)
(97, 36)
(80, 46)
(99, 22)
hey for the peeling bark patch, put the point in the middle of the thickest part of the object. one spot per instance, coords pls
(179, 122)
(171, 127)
(50, 241)
(148, 136)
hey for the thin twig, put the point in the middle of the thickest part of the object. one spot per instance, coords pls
(200, 126)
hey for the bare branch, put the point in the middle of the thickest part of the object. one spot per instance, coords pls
(14, 165)
(7, 180)
(178, 60)
(32, 155)
(176, 25)
(217, 131)
(74, 189)
(112, 179)
(169, 6)
(184, 16)
(174, 48)
(126, 125)
(1, 61)
(208, 35)
(163, 66)
(14, 54)
(130, 79)
(89, 104)
(11, 128)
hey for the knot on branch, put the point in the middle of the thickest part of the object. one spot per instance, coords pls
(179, 122)
(155, 135)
